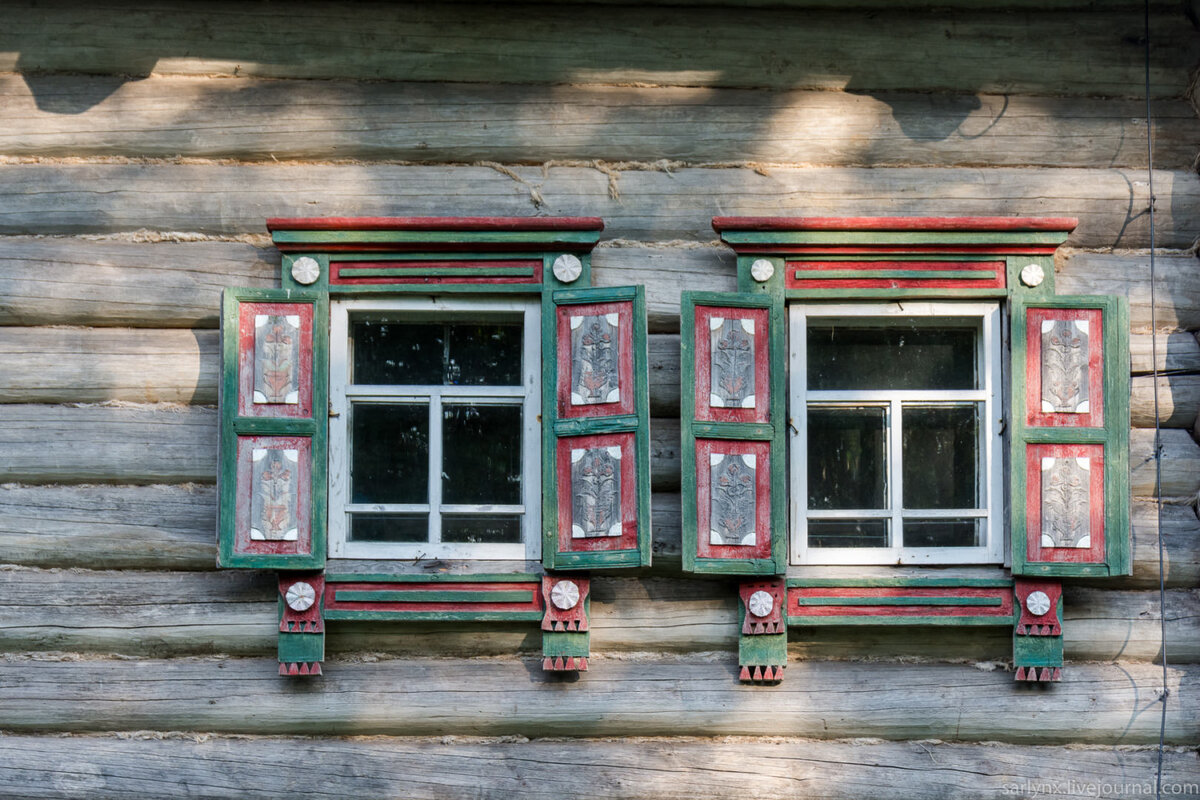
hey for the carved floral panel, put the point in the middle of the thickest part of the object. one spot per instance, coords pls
(596, 492)
(732, 345)
(1064, 377)
(1065, 366)
(732, 499)
(274, 494)
(277, 358)
(595, 359)
(1066, 502)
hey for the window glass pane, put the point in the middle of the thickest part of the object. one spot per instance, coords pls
(484, 355)
(389, 453)
(847, 458)
(398, 353)
(899, 355)
(940, 451)
(848, 533)
(389, 527)
(942, 533)
(481, 454)
(477, 528)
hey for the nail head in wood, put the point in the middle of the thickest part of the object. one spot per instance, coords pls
(1032, 275)
(567, 268)
(762, 270)
(300, 596)
(305, 270)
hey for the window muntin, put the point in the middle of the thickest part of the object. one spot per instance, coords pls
(434, 435)
(900, 458)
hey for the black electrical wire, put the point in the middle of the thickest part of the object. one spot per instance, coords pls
(1162, 582)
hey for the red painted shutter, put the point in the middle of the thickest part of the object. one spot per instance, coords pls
(273, 418)
(733, 424)
(596, 429)
(1070, 435)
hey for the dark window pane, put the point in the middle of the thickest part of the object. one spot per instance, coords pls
(398, 353)
(478, 529)
(484, 355)
(389, 453)
(847, 458)
(942, 533)
(941, 456)
(896, 356)
(481, 454)
(389, 527)
(848, 533)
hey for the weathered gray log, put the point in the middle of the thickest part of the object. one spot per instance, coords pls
(152, 444)
(93, 365)
(160, 614)
(436, 122)
(653, 205)
(64, 281)
(97, 444)
(1176, 288)
(1094, 704)
(1177, 352)
(238, 768)
(152, 284)
(974, 51)
(1178, 401)
(110, 527)
(173, 528)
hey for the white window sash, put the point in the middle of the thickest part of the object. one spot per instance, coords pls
(342, 395)
(989, 395)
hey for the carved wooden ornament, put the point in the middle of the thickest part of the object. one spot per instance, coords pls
(595, 360)
(1038, 601)
(273, 503)
(732, 494)
(275, 346)
(597, 497)
(1064, 372)
(298, 617)
(1064, 515)
(733, 508)
(764, 602)
(732, 363)
(557, 592)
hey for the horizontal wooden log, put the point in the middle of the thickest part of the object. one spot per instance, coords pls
(110, 527)
(112, 283)
(98, 444)
(652, 205)
(94, 365)
(148, 444)
(173, 528)
(161, 614)
(1176, 288)
(68, 281)
(1094, 703)
(1177, 352)
(1178, 401)
(544, 44)
(194, 117)
(229, 768)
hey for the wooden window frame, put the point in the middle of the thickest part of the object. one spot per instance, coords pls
(342, 394)
(991, 358)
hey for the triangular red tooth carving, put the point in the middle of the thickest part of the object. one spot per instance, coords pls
(745, 674)
(758, 673)
(547, 664)
(1020, 676)
(583, 665)
(1058, 673)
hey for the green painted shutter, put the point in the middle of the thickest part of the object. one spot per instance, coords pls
(1070, 436)
(273, 419)
(734, 413)
(596, 429)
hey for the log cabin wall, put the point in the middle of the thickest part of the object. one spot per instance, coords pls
(143, 145)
